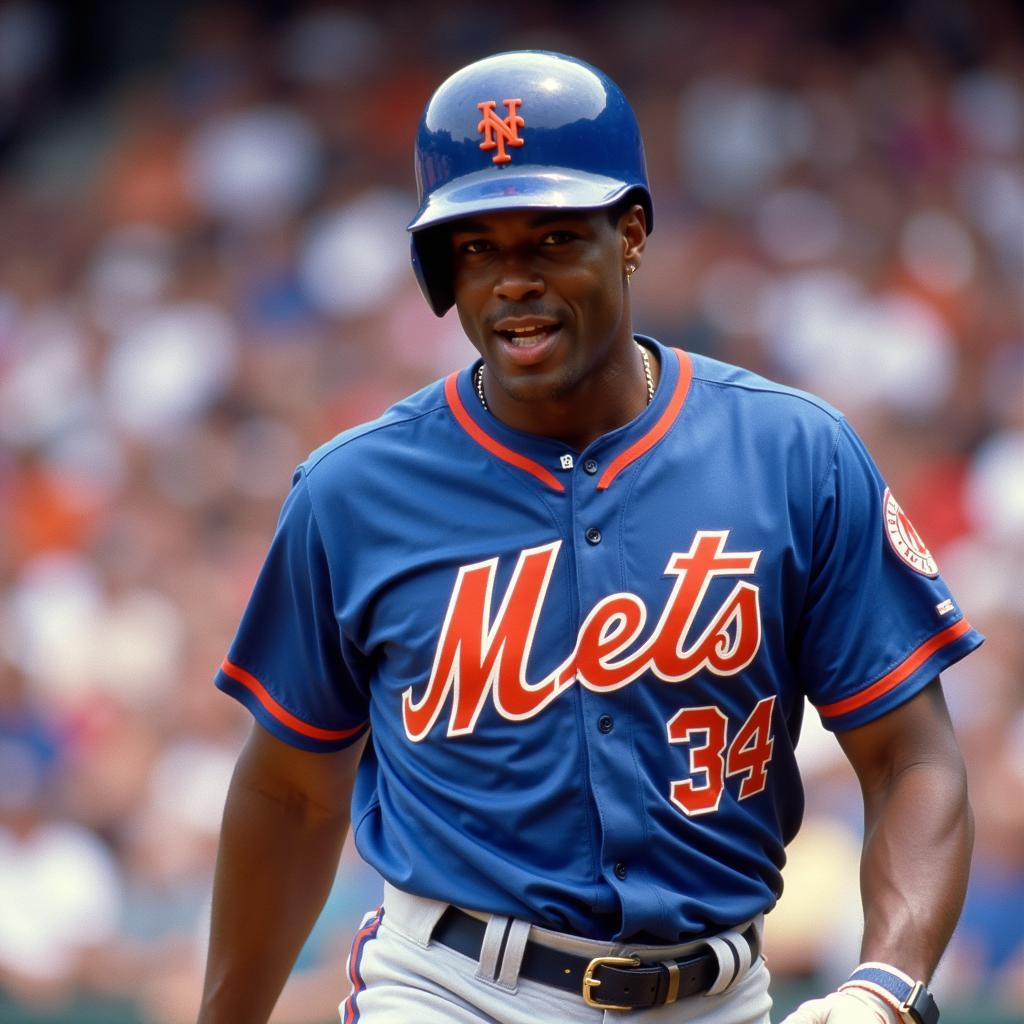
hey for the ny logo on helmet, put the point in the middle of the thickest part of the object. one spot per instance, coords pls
(500, 132)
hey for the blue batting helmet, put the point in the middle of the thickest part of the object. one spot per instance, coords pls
(520, 130)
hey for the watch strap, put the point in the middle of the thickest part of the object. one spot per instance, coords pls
(909, 998)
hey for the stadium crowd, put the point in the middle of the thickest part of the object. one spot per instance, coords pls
(204, 274)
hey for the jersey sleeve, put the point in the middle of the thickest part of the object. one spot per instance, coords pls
(878, 623)
(287, 663)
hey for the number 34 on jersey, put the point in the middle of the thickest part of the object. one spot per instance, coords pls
(483, 655)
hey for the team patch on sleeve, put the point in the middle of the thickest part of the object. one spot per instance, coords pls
(904, 539)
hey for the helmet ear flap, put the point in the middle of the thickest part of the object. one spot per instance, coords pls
(432, 264)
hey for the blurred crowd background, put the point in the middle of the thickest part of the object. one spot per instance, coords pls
(204, 274)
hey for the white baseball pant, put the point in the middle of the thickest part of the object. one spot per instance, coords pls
(398, 976)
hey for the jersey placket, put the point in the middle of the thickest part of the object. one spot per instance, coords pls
(607, 720)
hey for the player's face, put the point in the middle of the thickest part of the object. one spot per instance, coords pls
(542, 294)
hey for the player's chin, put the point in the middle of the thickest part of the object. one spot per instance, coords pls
(542, 384)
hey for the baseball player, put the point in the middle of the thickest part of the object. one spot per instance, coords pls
(546, 628)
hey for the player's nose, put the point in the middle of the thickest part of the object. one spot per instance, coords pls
(518, 280)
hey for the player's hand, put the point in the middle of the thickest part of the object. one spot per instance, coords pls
(849, 1007)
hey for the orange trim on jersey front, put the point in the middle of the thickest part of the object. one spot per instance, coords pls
(902, 671)
(659, 430)
(259, 691)
(468, 424)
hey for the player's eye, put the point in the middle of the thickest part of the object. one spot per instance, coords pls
(474, 245)
(558, 237)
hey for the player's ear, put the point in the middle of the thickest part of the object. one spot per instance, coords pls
(632, 228)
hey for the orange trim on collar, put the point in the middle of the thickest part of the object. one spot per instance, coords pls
(902, 671)
(659, 430)
(451, 393)
(259, 691)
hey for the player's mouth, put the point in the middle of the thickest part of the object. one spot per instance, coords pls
(527, 340)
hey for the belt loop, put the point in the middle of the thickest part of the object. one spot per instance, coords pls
(493, 947)
(515, 947)
(672, 993)
(733, 953)
(414, 916)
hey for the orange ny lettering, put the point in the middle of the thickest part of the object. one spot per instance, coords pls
(500, 132)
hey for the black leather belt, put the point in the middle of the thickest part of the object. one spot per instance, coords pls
(605, 982)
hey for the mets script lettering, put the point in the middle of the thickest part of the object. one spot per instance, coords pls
(481, 655)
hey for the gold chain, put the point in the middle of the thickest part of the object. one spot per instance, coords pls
(478, 378)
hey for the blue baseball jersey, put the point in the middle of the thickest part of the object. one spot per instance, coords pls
(584, 672)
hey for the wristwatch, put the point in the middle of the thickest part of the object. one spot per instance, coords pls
(913, 999)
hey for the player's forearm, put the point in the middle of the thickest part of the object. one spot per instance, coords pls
(277, 859)
(918, 839)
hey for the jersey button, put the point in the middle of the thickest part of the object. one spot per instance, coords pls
(590, 466)
(620, 871)
(605, 723)
(593, 535)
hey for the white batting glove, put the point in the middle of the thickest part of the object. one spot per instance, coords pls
(854, 1006)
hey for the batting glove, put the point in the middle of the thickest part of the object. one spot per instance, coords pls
(875, 993)
(853, 1006)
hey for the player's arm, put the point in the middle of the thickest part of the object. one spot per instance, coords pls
(918, 834)
(285, 821)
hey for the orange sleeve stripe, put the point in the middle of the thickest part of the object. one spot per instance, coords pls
(259, 691)
(902, 671)
(451, 393)
(659, 430)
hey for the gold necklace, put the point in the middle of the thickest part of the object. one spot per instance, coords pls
(478, 377)
(647, 372)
